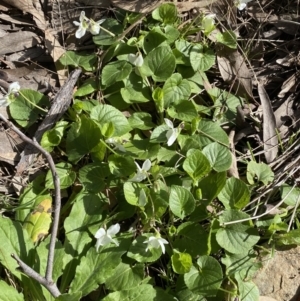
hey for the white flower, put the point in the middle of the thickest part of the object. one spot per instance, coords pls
(10, 96)
(141, 172)
(116, 144)
(136, 59)
(87, 24)
(156, 242)
(208, 23)
(172, 133)
(94, 27)
(105, 237)
(241, 4)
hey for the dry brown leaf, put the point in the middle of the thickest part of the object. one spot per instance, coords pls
(188, 5)
(15, 20)
(234, 70)
(26, 6)
(7, 154)
(137, 6)
(289, 85)
(269, 126)
(17, 41)
(56, 51)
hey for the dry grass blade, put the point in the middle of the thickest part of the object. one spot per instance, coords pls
(269, 126)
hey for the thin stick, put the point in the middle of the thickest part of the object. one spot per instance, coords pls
(47, 281)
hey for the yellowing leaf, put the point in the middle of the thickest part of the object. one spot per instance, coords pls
(38, 221)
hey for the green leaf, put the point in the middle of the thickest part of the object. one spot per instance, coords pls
(95, 268)
(104, 38)
(181, 262)
(125, 277)
(86, 213)
(206, 278)
(153, 39)
(161, 62)
(202, 58)
(259, 172)
(54, 136)
(121, 166)
(211, 132)
(70, 297)
(85, 60)
(218, 155)
(184, 111)
(82, 138)
(181, 201)
(105, 114)
(134, 192)
(187, 239)
(196, 165)
(287, 239)
(175, 89)
(236, 238)
(159, 134)
(135, 90)
(227, 38)
(248, 291)
(92, 176)
(89, 86)
(141, 120)
(212, 185)
(143, 292)
(290, 194)
(138, 251)
(171, 33)
(23, 109)
(65, 173)
(114, 72)
(13, 241)
(166, 13)
(9, 293)
(235, 194)
(183, 293)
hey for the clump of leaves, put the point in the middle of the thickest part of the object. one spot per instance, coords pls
(150, 211)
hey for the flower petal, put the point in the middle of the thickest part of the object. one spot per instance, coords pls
(104, 240)
(101, 232)
(146, 165)
(113, 229)
(169, 123)
(115, 242)
(139, 177)
(172, 135)
(76, 23)
(101, 21)
(4, 102)
(82, 16)
(80, 32)
(14, 87)
(163, 249)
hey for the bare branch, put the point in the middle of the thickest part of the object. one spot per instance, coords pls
(49, 270)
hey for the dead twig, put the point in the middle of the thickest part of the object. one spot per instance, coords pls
(46, 281)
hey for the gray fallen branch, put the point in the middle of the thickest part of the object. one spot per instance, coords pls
(46, 281)
(59, 106)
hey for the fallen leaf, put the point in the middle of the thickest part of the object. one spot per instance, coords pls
(269, 126)
(234, 70)
(17, 41)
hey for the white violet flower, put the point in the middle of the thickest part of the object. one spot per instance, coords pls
(241, 4)
(87, 24)
(172, 133)
(136, 59)
(105, 237)
(156, 242)
(142, 173)
(10, 96)
(117, 145)
(208, 23)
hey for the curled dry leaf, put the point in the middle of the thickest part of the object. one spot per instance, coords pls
(269, 126)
